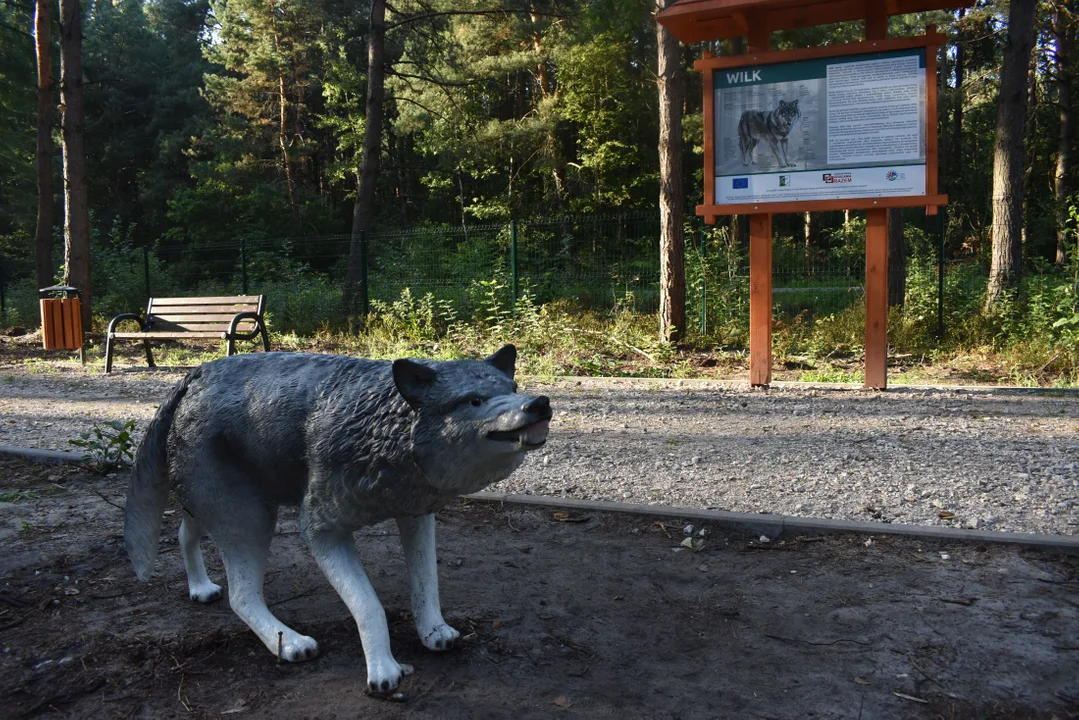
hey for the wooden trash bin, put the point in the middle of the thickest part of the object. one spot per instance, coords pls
(61, 320)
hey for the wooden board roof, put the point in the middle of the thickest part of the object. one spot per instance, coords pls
(699, 20)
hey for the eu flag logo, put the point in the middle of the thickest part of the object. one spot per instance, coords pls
(741, 183)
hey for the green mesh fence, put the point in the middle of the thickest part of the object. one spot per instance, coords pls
(587, 262)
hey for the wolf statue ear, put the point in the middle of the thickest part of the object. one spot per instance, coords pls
(505, 359)
(412, 379)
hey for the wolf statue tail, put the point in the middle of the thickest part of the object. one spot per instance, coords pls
(148, 489)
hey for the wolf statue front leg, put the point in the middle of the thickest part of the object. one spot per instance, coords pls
(335, 554)
(418, 541)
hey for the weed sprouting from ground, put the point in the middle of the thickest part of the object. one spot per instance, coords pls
(108, 446)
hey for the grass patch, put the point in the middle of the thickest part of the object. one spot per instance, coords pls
(20, 496)
(832, 375)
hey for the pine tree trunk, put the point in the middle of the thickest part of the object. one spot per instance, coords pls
(957, 116)
(1063, 31)
(897, 260)
(282, 140)
(77, 215)
(372, 148)
(43, 269)
(807, 235)
(672, 271)
(282, 118)
(1008, 153)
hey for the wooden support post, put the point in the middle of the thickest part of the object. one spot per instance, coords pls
(760, 299)
(760, 253)
(876, 21)
(876, 299)
(876, 254)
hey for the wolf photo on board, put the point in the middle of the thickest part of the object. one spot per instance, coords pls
(773, 127)
(352, 442)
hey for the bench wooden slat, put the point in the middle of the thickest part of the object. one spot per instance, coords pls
(220, 300)
(169, 334)
(201, 309)
(243, 327)
(219, 318)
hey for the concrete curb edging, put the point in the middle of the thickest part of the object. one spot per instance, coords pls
(774, 526)
(778, 526)
(45, 457)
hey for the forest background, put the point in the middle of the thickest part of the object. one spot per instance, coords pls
(517, 182)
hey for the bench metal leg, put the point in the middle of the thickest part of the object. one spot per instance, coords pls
(265, 338)
(108, 354)
(230, 346)
(149, 355)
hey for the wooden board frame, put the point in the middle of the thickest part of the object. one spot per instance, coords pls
(932, 39)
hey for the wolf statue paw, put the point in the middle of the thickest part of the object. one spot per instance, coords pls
(384, 676)
(298, 649)
(441, 637)
(207, 592)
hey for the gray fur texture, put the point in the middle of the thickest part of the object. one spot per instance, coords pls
(351, 442)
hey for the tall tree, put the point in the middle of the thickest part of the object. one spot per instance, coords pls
(1064, 43)
(45, 104)
(897, 259)
(367, 176)
(1007, 227)
(672, 271)
(77, 214)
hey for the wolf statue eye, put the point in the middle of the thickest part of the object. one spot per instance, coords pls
(476, 402)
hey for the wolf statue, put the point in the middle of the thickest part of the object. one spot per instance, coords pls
(774, 127)
(351, 442)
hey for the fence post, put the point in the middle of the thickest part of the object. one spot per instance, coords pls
(146, 269)
(243, 264)
(364, 297)
(940, 274)
(704, 280)
(513, 266)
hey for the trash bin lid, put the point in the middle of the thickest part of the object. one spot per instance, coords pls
(59, 288)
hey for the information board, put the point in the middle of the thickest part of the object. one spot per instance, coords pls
(852, 126)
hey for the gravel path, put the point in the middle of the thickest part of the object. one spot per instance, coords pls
(992, 458)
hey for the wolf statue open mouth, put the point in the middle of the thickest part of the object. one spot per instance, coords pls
(533, 434)
(352, 442)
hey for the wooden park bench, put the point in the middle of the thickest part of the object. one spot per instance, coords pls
(232, 318)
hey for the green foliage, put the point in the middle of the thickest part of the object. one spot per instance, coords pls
(418, 320)
(120, 277)
(108, 446)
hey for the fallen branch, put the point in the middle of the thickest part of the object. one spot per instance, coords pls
(810, 642)
(620, 342)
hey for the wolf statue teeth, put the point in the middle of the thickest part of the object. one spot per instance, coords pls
(351, 442)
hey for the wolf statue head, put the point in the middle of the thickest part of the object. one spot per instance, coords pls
(469, 410)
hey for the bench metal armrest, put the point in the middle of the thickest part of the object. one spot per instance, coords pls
(125, 316)
(240, 317)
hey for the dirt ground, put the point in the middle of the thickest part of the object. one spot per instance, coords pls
(563, 614)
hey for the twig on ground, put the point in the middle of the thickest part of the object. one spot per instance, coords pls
(110, 502)
(910, 697)
(305, 593)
